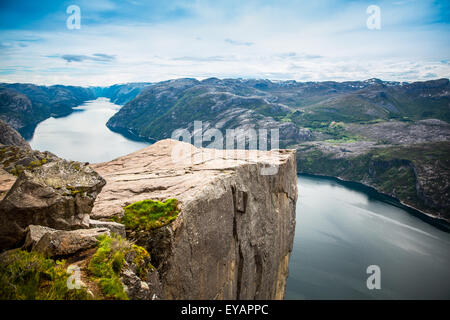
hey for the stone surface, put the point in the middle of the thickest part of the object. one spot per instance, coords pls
(14, 159)
(63, 243)
(234, 235)
(135, 288)
(34, 234)
(114, 227)
(6, 182)
(59, 194)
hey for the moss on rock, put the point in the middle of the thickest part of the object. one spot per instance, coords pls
(114, 254)
(150, 214)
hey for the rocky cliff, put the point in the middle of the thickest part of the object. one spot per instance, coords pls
(9, 136)
(234, 234)
(188, 224)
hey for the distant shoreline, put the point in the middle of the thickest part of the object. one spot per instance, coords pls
(439, 223)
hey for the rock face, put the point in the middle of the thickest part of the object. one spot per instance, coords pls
(234, 235)
(10, 137)
(59, 194)
(34, 234)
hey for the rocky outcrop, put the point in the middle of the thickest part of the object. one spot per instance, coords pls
(112, 226)
(34, 234)
(58, 194)
(234, 235)
(10, 137)
(14, 159)
(67, 243)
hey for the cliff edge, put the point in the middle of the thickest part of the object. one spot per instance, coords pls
(233, 236)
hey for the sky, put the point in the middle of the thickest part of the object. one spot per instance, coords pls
(149, 41)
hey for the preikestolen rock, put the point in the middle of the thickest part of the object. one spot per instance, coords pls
(114, 227)
(66, 243)
(34, 234)
(235, 231)
(59, 194)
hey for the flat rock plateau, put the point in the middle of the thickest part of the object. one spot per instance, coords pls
(235, 232)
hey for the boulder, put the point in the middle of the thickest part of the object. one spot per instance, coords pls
(34, 234)
(114, 227)
(15, 159)
(66, 243)
(58, 194)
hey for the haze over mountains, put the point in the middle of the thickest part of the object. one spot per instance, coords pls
(390, 135)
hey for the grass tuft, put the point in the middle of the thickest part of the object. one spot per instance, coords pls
(30, 276)
(150, 214)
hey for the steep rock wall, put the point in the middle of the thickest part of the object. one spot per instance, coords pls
(235, 231)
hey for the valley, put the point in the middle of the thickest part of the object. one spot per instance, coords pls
(393, 136)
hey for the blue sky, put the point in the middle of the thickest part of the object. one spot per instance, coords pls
(314, 40)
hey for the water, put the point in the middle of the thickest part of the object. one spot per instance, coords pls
(83, 135)
(340, 231)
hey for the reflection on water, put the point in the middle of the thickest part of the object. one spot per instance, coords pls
(83, 135)
(341, 231)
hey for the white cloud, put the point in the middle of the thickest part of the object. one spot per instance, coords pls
(260, 42)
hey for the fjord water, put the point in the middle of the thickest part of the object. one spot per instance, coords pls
(340, 230)
(83, 135)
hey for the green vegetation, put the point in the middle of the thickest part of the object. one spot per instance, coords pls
(18, 169)
(330, 125)
(111, 256)
(150, 214)
(389, 170)
(30, 276)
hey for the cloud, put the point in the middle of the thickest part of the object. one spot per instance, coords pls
(294, 55)
(238, 43)
(160, 40)
(81, 57)
(203, 59)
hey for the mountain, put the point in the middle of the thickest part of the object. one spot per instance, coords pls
(164, 107)
(393, 136)
(23, 106)
(290, 106)
(121, 93)
(390, 135)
